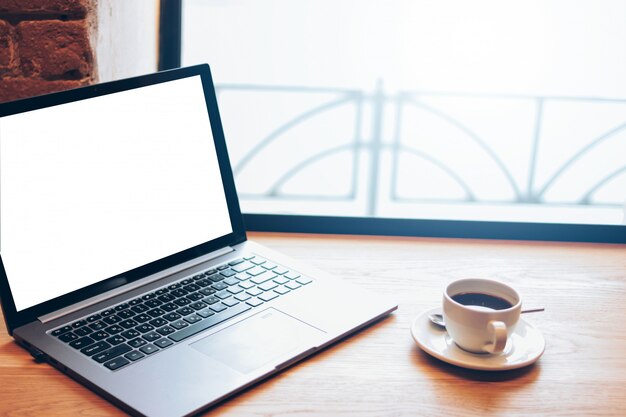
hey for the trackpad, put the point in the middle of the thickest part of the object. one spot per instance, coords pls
(252, 343)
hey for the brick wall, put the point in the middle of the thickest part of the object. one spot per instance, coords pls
(44, 46)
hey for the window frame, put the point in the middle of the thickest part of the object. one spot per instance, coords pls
(170, 49)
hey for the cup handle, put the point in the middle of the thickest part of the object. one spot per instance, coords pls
(498, 329)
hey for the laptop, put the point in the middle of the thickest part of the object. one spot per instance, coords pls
(124, 258)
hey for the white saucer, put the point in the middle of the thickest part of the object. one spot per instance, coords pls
(525, 346)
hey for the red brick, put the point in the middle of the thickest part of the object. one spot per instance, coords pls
(16, 88)
(8, 59)
(52, 49)
(44, 7)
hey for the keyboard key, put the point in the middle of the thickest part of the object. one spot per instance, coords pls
(198, 305)
(191, 287)
(144, 328)
(205, 313)
(280, 270)
(269, 265)
(108, 312)
(183, 301)
(99, 335)
(243, 267)
(304, 280)
(222, 267)
(158, 322)
(257, 270)
(138, 342)
(179, 293)
(194, 318)
(115, 329)
(228, 273)
(243, 297)
(165, 330)
(160, 292)
(269, 285)
(230, 302)
(134, 355)
(83, 331)
(153, 303)
(135, 302)
(257, 260)
(208, 322)
(268, 296)
(95, 348)
(93, 318)
(235, 262)
(125, 314)
(121, 307)
(156, 312)
(179, 324)
(68, 337)
(174, 286)
(218, 307)
(127, 324)
(130, 334)
(235, 290)
(139, 308)
(264, 278)
(281, 290)
(203, 282)
(195, 296)
(207, 291)
(254, 291)
(149, 349)
(185, 311)
(219, 286)
(79, 323)
(98, 325)
(116, 363)
(82, 342)
(116, 340)
(246, 285)
(164, 342)
(111, 353)
(211, 299)
(217, 277)
(166, 298)
(292, 275)
(222, 295)
(293, 285)
(247, 258)
(142, 318)
(169, 307)
(151, 336)
(172, 316)
(231, 281)
(281, 280)
(148, 296)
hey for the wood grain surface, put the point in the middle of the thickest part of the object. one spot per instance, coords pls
(381, 372)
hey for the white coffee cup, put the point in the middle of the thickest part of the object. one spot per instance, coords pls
(483, 318)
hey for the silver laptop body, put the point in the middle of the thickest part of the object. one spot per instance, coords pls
(124, 267)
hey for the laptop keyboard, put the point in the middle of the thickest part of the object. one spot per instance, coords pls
(127, 332)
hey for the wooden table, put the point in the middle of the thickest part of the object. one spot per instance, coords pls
(381, 372)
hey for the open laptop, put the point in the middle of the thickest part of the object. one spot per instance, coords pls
(124, 259)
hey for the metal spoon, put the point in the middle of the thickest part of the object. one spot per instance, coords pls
(438, 318)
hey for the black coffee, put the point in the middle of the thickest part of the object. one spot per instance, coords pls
(480, 299)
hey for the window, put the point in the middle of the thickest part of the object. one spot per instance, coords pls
(489, 111)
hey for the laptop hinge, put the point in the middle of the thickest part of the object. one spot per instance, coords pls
(133, 285)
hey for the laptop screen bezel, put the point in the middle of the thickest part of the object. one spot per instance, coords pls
(14, 318)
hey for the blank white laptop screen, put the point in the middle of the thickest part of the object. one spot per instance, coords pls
(94, 188)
